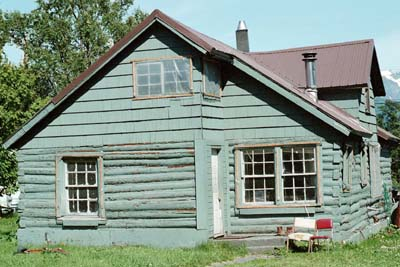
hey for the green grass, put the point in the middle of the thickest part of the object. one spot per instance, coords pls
(202, 255)
(382, 249)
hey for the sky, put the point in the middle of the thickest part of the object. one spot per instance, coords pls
(279, 24)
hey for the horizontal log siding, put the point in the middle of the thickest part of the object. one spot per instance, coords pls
(107, 114)
(145, 186)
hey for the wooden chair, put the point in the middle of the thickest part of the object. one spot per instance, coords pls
(325, 225)
(301, 231)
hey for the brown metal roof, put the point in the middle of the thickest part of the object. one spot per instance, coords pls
(387, 136)
(346, 65)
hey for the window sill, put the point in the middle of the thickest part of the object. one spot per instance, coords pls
(248, 210)
(85, 221)
(161, 96)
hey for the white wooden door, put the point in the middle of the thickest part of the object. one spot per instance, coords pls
(217, 205)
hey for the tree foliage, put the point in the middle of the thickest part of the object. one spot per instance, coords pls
(60, 39)
(18, 102)
(389, 119)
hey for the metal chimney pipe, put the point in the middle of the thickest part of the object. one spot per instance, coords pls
(311, 85)
(242, 37)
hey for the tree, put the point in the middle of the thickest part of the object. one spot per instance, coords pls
(18, 103)
(389, 119)
(60, 39)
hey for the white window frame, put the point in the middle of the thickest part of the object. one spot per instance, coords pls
(63, 214)
(162, 94)
(86, 186)
(279, 186)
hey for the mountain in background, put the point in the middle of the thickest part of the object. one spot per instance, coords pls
(391, 81)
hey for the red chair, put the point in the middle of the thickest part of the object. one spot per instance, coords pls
(325, 225)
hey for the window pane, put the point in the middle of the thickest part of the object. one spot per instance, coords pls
(155, 68)
(310, 180)
(81, 167)
(260, 196)
(308, 153)
(269, 168)
(73, 206)
(83, 206)
(258, 156)
(298, 167)
(299, 181)
(71, 167)
(310, 194)
(81, 178)
(93, 193)
(155, 89)
(299, 194)
(72, 193)
(91, 178)
(288, 181)
(270, 183)
(142, 80)
(71, 178)
(82, 193)
(269, 156)
(287, 167)
(163, 77)
(142, 68)
(270, 195)
(91, 166)
(258, 168)
(143, 90)
(288, 195)
(287, 154)
(259, 183)
(93, 206)
(310, 168)
(155, 79)
(248, 170)
(248, 157)
(249, 196)
(297, 153)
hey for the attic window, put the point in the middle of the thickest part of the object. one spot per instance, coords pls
(212, 78)
(162, 77)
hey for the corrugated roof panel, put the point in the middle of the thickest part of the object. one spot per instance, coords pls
(338, 65)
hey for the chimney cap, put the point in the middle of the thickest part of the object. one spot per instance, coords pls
(309, 56)
(242, 26)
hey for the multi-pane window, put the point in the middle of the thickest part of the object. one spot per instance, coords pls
(81, 187)
(299, 174)
(212, 78)
(259, 177)
(163, 77)
(286, 174)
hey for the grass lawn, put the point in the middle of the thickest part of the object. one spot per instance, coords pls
(111, 256)
(381, 250)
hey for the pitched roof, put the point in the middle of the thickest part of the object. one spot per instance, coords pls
(324, 110)
(387, 136)
(340, 65)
